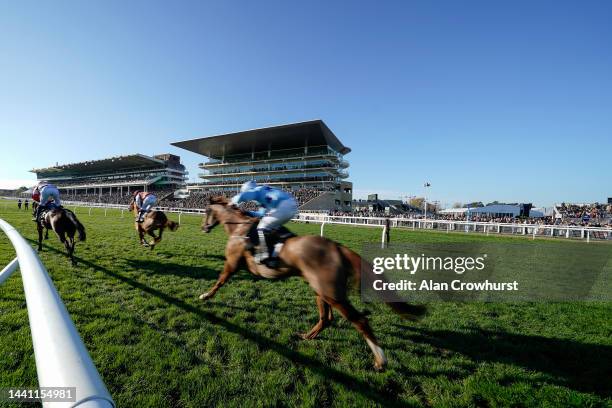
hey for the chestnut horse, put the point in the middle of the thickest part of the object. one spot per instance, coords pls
(65, 224)
(324, 264)
(153, 220)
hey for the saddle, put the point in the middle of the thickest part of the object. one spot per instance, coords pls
(47, 209)
(274, 239)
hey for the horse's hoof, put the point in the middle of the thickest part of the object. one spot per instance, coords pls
(303, 336)
(205, 296)
(380, 367)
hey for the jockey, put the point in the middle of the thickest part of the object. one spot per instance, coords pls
(144, 202)
(43, 193)
(277, 207)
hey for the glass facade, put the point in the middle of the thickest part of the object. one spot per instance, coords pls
(313, 166)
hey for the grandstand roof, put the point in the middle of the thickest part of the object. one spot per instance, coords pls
(293, 135)
(111, 163)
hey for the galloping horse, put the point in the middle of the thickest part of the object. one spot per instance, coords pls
(153, 220)
(64, 223)
(324, 264)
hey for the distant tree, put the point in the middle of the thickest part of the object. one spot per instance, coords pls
(416, 202)
(457, 205)
(475, 204)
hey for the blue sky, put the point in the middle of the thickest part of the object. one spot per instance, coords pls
(508, 101)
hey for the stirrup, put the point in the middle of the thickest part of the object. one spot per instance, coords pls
(271, 262)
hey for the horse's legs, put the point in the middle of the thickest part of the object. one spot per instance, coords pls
(46, 233)
(141, 235)
(70, 248)
(361, 324)
(324, 320)
(155, 241)
(40, 236)
(231, 265)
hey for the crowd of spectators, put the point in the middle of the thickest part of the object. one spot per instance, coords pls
(595, 215)
(194, 200)
(593, 211)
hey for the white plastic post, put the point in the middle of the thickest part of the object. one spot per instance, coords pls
(105, 209)
(8, 270)
(180, 218)
(384, 237)
(90, 211)
(61, 357)
(322, 226)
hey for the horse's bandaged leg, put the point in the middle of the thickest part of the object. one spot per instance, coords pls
(381, 360)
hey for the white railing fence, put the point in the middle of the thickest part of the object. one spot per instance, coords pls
(532, 230)
(61, 357)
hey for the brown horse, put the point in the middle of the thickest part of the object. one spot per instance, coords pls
(153, 220)
(65, 224)
(324, 264)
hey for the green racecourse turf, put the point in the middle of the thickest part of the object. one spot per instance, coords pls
(156, 345)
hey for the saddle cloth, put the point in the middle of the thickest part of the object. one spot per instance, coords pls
(274, 239)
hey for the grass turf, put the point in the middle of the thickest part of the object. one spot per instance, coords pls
(155, 344)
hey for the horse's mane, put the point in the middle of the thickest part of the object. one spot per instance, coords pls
(224, 201)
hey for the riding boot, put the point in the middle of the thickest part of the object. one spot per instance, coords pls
(140, 217)
(261, 252)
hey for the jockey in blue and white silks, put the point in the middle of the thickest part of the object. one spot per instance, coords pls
(44, 193)
(144, 202)
(277, 207)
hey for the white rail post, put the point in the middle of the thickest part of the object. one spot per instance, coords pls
(8, 270)
(122, 212)
(61, 357)
(180, 218)
(588, 236)
(105, 209)
(322, 226)
(90, 211)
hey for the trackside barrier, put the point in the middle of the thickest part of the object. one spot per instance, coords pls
(566, 231)
(556, 231)
(61, 357)
(385, 228)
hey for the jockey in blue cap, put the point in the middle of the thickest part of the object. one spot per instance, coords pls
(144, 202)
(277, 207)
(43, 193)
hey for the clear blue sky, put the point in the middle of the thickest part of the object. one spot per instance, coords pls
(508, 101)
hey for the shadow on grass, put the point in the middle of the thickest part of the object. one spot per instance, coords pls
(349, 382)
(183, 271)
(578, 366)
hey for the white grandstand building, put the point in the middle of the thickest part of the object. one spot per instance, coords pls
(296, 157)
(117, 175)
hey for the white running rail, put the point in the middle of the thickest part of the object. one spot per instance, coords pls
(61, 357)
(533, 230)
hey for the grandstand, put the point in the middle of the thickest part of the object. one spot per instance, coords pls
(305, 158)
(116, 176)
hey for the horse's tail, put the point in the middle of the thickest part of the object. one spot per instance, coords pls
(79, 227)
(362, 268)
(173, 226)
